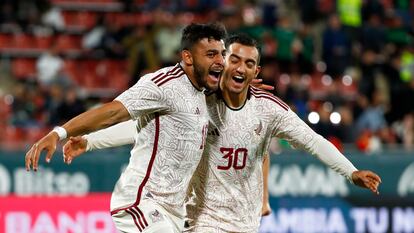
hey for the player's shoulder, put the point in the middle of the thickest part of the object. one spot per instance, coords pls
(164, 76)
(267, 99)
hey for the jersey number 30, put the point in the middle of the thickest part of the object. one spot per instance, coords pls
(232, 156)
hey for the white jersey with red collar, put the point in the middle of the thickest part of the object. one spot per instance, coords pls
(172, 122)
(227, 188)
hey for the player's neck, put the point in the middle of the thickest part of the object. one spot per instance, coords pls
(189, 71)
(233, 100)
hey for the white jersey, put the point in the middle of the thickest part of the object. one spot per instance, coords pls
(172, 122)
(228, 184)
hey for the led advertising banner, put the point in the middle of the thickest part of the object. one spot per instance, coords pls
(305, 195)
(87, 214)
(326, 215)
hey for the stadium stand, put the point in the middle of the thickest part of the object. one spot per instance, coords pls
(322, 59)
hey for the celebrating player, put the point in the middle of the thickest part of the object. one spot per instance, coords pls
(171, 109)
(228, 181)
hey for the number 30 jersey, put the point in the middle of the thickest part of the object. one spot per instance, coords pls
(227, 187)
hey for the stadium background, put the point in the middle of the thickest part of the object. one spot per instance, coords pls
(346, 67)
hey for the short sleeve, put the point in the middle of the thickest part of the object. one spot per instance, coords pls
(143, 98)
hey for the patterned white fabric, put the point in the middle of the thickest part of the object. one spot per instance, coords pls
(227, 187)
(172, 123)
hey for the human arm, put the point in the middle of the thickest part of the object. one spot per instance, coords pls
(266, 210)
(92, 120)
(117, 135)
(143, 98)
(291, 128)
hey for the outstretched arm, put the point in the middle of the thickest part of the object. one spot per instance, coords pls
(116, 135)
(92, 120)
(290, 127)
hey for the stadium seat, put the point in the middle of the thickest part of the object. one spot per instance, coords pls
(23, 41)
(23, 68)
(67, 43)
(80, 20)
(73, 69)
(43, 42)
(5, 41)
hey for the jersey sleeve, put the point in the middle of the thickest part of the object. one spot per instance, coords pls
(291, 128)
(143, 98)
(116, 135)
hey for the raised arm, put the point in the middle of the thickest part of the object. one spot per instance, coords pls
(116, 135)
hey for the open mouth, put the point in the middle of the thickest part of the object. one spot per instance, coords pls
(215, 74)
(238, 79)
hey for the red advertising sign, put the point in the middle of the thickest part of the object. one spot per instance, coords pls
(86, 214)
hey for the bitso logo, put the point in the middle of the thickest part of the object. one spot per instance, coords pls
(406, 183)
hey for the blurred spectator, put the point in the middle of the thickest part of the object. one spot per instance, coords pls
(26, 106)
(288, 45)
(70, 107)
(349, 12)
(372, 118)
(93, 38)
(336, 47)
(168, 39)
(373, 34)
(306, 55)
(346, 129)
(55, 97)
(112, 41)
(49, 67)
(53, 17)
(142, 56)
(396, 33)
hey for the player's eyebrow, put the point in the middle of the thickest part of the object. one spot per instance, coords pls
(212, 51)
(240, 58)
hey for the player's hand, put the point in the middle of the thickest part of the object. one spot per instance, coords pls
(367, 179)
(48, 143)
(259, 84)
(74, 147)
(266, 210)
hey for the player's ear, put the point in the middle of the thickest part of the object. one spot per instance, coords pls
(258, 68)
(187, 57)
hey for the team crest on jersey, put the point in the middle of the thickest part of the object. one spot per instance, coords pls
(258, 129)
(156, 216)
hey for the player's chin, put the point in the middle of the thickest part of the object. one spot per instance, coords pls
(212, 83)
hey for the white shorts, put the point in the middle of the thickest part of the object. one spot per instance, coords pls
(147, 217)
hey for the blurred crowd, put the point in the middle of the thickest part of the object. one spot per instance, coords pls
(345, 66)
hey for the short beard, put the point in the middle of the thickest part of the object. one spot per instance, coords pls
(199, 73)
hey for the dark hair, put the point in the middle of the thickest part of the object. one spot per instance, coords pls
(196, 32)
(243, 39)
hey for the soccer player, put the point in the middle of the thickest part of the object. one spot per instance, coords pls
(227, 186)
(171, 111)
